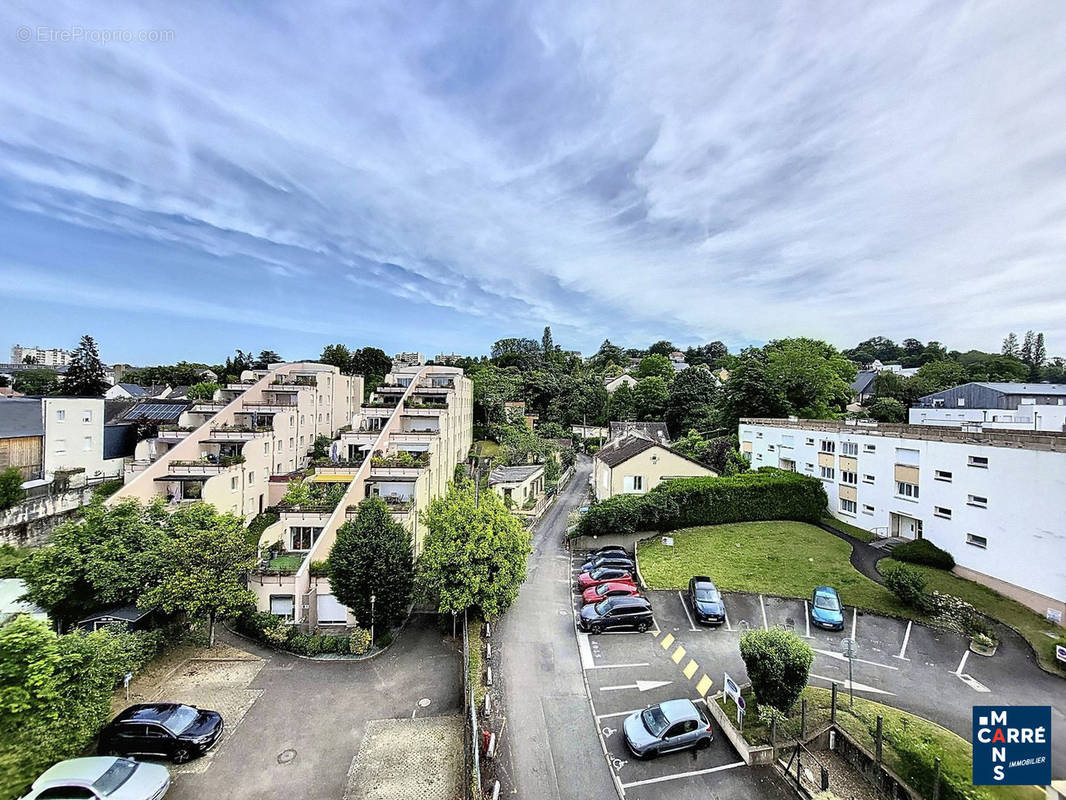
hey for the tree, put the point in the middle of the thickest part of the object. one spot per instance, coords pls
(778, 664)
(1039, 358)
(547, 345)
(940, 375)
(205, 390)
(85, 376)
(750, 392)
(371, 361)
(912, 353)
(607, 354)
(339, 356)
(205, 567)
(37, 381)
(492, 388)
(1010, 345)
(516, 352)
(266, 358)
(662, 348)
(887, 409)
(691, 404)
(815, 377)
(11, 491)
(650, 397)
(1028, 348)
(622, 404)
(709, 354)
(879, 348)
(474, 554)
(372, 558)
(655, 366)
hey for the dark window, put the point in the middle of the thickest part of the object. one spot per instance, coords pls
(67, 793)
(677, 729)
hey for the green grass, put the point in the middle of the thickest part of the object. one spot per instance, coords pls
(783, 558)
(473, 674)
(910, 743)
(486, 449)
(851, 530)
(286, 563)
(988, 601)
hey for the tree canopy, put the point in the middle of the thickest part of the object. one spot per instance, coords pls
(85, 377)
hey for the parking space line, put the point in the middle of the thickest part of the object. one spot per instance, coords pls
(725, 613)
(765, 626)
(666, 641)
(842, 657)
(958, 670)
(618, 714)
(807, 619)
(678, 654)
(906, 638)
(617, 666)
(859, 687)
(684, 605)
(584, 650)
(854, 621)
(677, 775)
(704, 686)
(690, 669)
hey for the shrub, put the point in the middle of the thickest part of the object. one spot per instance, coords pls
(11, 491)
(10, 558)
(778, 663)
(318, 569)
(359, 641)
(106, 489)
(923, 551)
(908, 585)
(767, 494)
(259, 524)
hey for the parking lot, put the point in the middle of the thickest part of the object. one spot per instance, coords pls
(913, 667)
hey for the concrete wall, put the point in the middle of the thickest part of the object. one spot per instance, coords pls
(31, 522)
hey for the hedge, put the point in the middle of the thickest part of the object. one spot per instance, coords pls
(923, 551)
(767, 494)
(274, 631)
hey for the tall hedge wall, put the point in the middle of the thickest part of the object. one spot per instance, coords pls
(766, 494)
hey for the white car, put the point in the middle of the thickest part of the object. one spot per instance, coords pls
(101, 778)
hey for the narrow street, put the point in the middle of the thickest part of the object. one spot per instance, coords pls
(549, 748)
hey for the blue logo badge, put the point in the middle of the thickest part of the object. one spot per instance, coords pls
(1011, 745)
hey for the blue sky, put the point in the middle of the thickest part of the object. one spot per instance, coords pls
(434, 176)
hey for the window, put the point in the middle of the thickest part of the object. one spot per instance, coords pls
(942, 475)
(758, 434)
(633, 483)
(828, 446)
(61, 446)
(868, 478)
(978, 461)
(961, 402)
(809, 466)
(977, 541)
(907, 490)
(770, 447)
(977, 500)
(87, 443)
(292, 443)
(808, 440)
(847, 506)
(303, 538)
(251, 478)
(906, 457)
(828, 473)
(943, 513)
(233, 483)
(266, 447)
(869, 448)
(61, 415)
(851, 478)
(849, 448)
(867, 509)
(282, 605)
(87, 416)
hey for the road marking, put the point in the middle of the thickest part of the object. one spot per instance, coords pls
(859, 687)
(684, 605)
(618, 714)
(678, 654)
(906, 638)
(765, 627)
(666, 641)
(807, 619)
(584, 650)
(616, 666)
(958, 670)
(842, 657)
(640, 686)
(690, 669)
(969, 680)
(704, 686)
(725, 613)
(854, 621)
(677, 775)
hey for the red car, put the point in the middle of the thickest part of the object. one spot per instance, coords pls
(612, 589)
(586, 580)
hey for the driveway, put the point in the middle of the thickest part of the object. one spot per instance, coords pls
(306, 722)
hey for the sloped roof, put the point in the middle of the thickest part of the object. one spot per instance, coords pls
(1024, 388)
(21, 417)
(623, 449)
(863, 382)
(515, 474)
(654, 430)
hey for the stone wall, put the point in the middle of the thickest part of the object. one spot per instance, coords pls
(30, 523)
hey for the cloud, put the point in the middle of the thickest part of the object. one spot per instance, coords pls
(741, 171)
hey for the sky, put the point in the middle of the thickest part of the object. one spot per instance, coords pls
(183, 179)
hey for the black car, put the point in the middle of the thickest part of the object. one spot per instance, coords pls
(609, 560)
(608, 549)
(616, 612)
(705, 600)
(170, 730)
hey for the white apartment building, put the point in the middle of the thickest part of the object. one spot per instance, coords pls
(45, 357)
(74, 438)
(991, 498)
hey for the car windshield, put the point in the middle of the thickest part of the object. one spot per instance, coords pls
(654, 720)
(602, 589)
(180, 719)
(826, 601)
(116, 775)
(603, 607)
(707, 595)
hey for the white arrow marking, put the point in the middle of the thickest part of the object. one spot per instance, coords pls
(859, 687)
(640, 686)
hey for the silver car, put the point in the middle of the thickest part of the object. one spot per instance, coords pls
(101, 778)
(673, 725)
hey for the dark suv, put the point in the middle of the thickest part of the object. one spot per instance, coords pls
(170, 730)
(705, 600)
(616, 612)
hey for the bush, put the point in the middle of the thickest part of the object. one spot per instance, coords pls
(10, 558)
(11, 491)
(908, 585)
(318, 569)
(106, 489)
(767, 494)
(778, 663)
(923, 551)
(261, 522)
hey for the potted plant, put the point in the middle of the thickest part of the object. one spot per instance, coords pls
(983, 644)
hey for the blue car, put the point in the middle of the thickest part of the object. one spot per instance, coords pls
(673, 725)
(705, 600)
(826, 610)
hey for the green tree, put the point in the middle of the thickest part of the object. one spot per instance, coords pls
(655, 366)
(939, 375)
(1010, 345)
(492, 388)
(750, 392)
(339, 356)
(710, 354)
(778, 664)
(205, 390)
(205, 567)
(37, 381)
(85, 376)
(814, 376)
(887, 409)
(11, 491)
(662, 348)
(266, 358)
(650, 397)
(912, 353)
(621, 406)
(372, 558)
(608, 354)
(520, 352)
(691, 404)
(371, 361)
(475, 552)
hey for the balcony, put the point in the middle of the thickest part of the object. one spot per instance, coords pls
(276, 406)
(173, 433)
(402, 459)
(345, 468)
(294, 380)
(423, 411)
(202, 467)
(395, 473)
(413, 404)
(238, 433)
(207, 407)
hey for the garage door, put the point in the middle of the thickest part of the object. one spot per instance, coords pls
(330, 611)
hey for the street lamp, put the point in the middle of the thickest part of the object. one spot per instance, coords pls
(372, 599)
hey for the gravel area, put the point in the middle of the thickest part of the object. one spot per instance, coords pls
(404, 758)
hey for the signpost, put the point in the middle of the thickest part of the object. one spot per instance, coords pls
(850, 646)
(1060, 652)
(126, 683)
(731, 689)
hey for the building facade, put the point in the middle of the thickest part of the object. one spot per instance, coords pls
(991, 498)
(42, 356)
(1003, 406)
(635, 463)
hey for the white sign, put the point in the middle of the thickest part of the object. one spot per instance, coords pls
(668, 541)
(731, 689)
(127, 678)
(1054, 615)
(849, 646)
(1060, 652)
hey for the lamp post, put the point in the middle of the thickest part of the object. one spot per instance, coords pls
(372, 599)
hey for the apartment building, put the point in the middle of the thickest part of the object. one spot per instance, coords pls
(991, 498)
(225, 451)
(403, 446)
(42, 356)
(992, 405)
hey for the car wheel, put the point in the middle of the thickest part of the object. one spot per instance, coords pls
(181, 755)
(642, 627)
(595, 629)
(703, 744)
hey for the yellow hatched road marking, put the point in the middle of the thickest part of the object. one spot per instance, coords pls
(704, 686)
(690, 669)
(679, 654)
(667, 641)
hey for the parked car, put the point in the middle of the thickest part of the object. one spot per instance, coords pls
(608, 560)
(705, 600)
(616, 612)
(168, 730)
(826, 609)
(101, 778)
(608, 548)
(666, 727)
(605, 590)
(587, 580)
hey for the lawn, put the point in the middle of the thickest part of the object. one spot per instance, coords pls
(1010, 612)
(286, 563)
(485, 448)
(851, 530)
(782, 558)
(910, 742)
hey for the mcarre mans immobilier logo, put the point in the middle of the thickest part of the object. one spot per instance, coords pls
(1011, 745)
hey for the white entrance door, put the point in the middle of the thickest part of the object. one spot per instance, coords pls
(331, 612)
(906, 527)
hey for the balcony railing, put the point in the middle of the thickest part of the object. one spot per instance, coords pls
(401, 459)
(412, 404)
(305, 508)
(294, 381)
(260, 404)
(207, 407)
